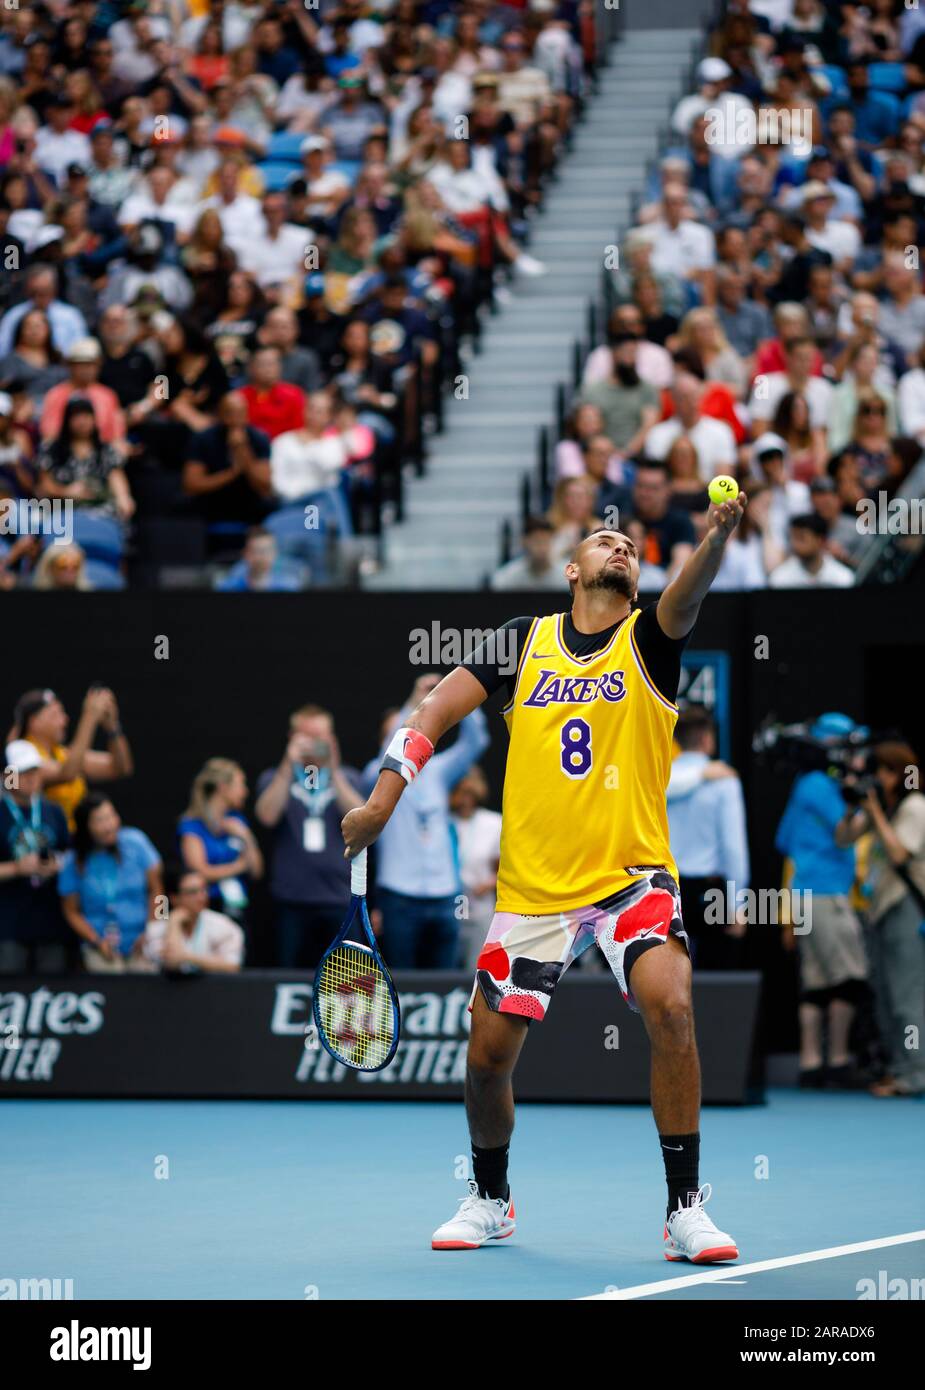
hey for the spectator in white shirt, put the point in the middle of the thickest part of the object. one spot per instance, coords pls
(462, 187)
(902, 308)
(681, 246)
(452, 94)
(722, 107)
(789, 498)
(469, 190)
(769, 390)
(522, 88)
(193, 936)
(198, 159)
(713, 439)
(238, 212)
(277, 255)
(56, 145)
(165, 154)
(752, 553)
(842, 240)
(327, 188)
(911, 398)
(153, 201)
(810, 566)
(132, 40)
(312, 458)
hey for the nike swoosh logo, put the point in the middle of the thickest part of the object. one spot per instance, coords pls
(537, 657)
(675, 1148)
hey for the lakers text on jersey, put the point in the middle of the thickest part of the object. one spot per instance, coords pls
(584, 791)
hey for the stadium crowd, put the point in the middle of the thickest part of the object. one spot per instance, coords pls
(81, 889)
(242, 246)
(766, 318)
(76, 885)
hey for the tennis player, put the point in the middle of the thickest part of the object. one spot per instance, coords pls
(585, 854)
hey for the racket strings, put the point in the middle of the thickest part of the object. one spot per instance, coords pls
(355, 1006)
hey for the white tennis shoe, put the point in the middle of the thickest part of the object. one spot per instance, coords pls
(479, 1220)
(691, 1235)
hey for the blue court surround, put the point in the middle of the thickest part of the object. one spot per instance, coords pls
(266, 1200)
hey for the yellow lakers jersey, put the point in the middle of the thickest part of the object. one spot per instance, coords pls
(584, 808)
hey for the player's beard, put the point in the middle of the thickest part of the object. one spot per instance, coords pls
(618, 581)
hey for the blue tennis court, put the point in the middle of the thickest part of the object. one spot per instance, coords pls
(289, 1200)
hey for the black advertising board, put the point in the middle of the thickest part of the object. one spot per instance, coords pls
(249, 1036)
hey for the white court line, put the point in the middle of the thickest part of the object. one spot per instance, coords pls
(733, 1271)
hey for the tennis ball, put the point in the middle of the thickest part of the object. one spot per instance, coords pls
(723, 489)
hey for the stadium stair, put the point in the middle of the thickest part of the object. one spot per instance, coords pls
(450, 534)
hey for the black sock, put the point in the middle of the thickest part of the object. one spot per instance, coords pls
(489, 1168)
(681, 1153)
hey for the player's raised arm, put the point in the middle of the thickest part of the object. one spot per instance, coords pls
(680, 602)
(411, 747)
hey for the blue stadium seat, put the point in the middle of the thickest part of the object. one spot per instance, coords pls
(103, 576)
(887, 77)
(100, 537)
(285, 147)
(838, 79)
(276, 175)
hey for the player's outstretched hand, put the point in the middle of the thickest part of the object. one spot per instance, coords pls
(360, 827)
(723, 520)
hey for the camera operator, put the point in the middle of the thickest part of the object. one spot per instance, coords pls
(303, 801)
(832, 960)
(893, 810)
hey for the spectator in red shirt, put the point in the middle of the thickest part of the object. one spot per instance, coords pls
(791, 321)
(83, 363)
(273, 405)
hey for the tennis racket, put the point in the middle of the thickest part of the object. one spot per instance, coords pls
(354, 1003)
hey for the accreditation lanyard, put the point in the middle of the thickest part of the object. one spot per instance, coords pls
(316, 800)
(29, 834)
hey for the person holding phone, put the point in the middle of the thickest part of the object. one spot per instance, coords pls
(66, 768)
(302, 801)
